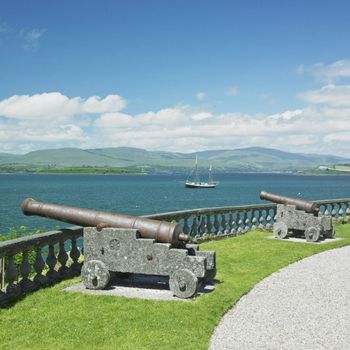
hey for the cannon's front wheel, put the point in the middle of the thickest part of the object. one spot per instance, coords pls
(95, 274)
(280, 230)
(183, 283)
(312, 234)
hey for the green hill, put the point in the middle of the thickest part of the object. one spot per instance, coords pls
(246, 159)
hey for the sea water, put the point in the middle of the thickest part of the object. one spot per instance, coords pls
(148, 194)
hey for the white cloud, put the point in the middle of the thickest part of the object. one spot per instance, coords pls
(330, 94)
(201, 96)
(111, 103)
(55, 106)
(115, 120)
(31, 37)
(328, 73)
(51, 120)
(232, 91)
(338, 137)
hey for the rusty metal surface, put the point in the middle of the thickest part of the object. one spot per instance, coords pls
(309, 207)
(161, 231)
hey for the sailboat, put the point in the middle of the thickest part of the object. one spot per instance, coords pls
(196, 183)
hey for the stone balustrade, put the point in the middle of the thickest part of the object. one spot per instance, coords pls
(230, 221)
(36, 261)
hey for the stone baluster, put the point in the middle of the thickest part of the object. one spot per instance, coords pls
(39, 266)
(254, 219)
(247, 221)
(322, 209)
(231, 223)
(239, 222)
(51, 262)
(186, 227)
(13, 289)
(223, 224)
(216, 224)
(25, 269)
(209, 224)
(268, 220)
(333, 211)
(274, 214)
(62, 258)
(202, 227)
(75, 255)
(326, 211)
(261, 219)
(194, 228)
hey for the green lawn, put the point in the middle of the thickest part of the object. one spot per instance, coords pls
(52, 319)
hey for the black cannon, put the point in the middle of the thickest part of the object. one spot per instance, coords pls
(297, 216)
(130, 244)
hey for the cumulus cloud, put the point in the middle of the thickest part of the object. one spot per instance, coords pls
(232, 91)
(30, 38)
(51, 120)
(294, 130)
(328, 73)
(201, 96)
(330, 94)
(55, 106)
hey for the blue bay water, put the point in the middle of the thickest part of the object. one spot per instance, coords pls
(147, 194)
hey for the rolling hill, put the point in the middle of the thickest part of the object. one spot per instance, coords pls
(256, 159)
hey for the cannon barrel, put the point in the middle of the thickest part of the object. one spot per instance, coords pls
(161, 231)
(301, 204)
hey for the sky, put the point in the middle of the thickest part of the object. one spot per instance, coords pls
(176, 75)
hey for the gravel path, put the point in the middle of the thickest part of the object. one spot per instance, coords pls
(303, 306)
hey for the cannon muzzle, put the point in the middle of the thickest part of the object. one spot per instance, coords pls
(301, 204)
(161, 231)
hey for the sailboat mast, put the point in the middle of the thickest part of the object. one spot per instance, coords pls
(210, 177)
(196, 177)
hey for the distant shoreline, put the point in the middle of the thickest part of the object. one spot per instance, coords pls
(72, 171)
(99, 171)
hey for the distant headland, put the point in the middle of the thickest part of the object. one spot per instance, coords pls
(127, 160)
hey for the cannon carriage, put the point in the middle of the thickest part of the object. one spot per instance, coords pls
(123, 250)
(297, 217)
(115, 243)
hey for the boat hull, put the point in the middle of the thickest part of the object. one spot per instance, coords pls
(200, 185)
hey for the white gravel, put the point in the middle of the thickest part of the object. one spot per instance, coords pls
(303, 306)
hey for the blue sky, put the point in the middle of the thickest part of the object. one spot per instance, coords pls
(183, 75)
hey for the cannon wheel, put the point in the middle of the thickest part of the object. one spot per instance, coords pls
(280, 230)
(183, 283)
(95, 274)
(312, 234)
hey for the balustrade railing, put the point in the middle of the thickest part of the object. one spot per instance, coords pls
(39, 260)
(35, 261)
(230, 221)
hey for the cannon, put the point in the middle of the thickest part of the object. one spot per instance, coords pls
(118, 243)
(295, 217)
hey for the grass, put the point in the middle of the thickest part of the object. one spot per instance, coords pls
(53, 319)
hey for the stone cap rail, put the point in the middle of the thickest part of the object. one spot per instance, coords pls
(17, 245)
